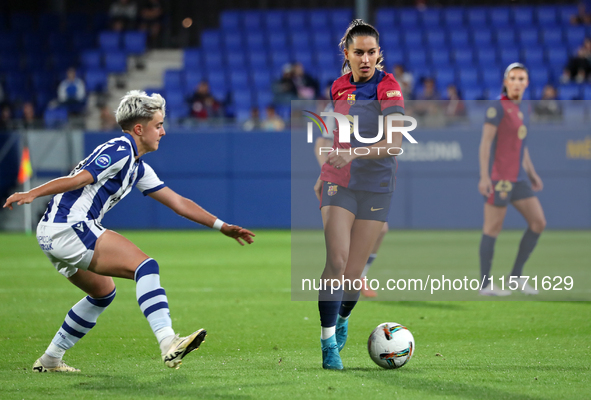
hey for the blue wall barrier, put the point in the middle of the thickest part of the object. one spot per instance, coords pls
(265, 180)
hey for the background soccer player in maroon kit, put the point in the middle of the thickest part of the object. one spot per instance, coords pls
(355, 191)
(505, 166)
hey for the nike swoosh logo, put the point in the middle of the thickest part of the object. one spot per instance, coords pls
(377, 209)
(121, 148)
(341, 93)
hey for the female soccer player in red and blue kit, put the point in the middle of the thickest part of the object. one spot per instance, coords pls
(505, 166)
(355, 190)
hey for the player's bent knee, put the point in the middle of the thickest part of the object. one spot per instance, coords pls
(538, 225)
(147, 267)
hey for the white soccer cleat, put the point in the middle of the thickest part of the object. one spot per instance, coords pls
(494, 291)
(62, 367)
(525, 287)
(181, 346)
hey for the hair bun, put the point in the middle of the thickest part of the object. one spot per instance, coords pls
(357, 22)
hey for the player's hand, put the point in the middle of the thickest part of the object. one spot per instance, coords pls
(238, 233)
(485, 187)
(318, 189)
(536, 183)
(339, 160)
(19, 198)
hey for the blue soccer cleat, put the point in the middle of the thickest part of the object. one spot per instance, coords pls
(330, 353)
(341, 332)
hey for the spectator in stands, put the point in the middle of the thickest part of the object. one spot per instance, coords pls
(428, 91)
(428, 94)
(284, 89)
(582, 17)
(203, 104)
(254, 122)
(29, 119)
(71, 93)
(273, 122)
(6, 121)
(579, 66)
(108, 122)
(151, 14)
(405, 79)
(454, 106)
(548, 107)
(306, 85)
(122, 15)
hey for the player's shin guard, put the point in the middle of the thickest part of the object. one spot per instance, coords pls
(79, 321)
(487, 250)
(152, 299)
(527, 245)
(348, 303)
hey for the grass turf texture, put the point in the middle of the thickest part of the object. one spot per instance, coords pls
(262, 345)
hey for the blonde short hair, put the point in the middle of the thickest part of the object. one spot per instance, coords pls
(137, 107)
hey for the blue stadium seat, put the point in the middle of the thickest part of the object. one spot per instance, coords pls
(533, 56)
(413, 38)
(477, 17)
(552, 37)
(556, 56)
(192, 58)
(459, 38)
(278, 41)
(417, 58)
(305, 57)
(500, 17)
(211, 40)
(509, 55)
(236, 60)
(173, 79)
(436, 38)
(440, 57)
(55, 117)
(264, 98)
(546, 16)
(467, 76)
(493, 92)
(422, 72)
(258, 60)
(575, 35)
(274, 20)
(393, 56)
(242, 98)
(463, 57)
(115, 62)
(569, 92)
(255, 41)
(21, 22)
(261, 79)
(109, 41)
(486, 57)
(280, 58)
(231, 20)
(192, 78)
(239, 80)
(252, 20)
(444, 77)
(177, 113)
(318, 19)
(80, 42)
(523, 16)
(327, 77)
(472, 93)
(385, 18)
(505, 37)
(297, 20)
(327, 60)
(214, 61)
(408, 17)
(453, 17)
(216, 79)
(565, 12)
(431, 18)
(482, 37)
(95, 80)
(134, 42)
(321, 39)
(390, 37)
(340, 18)
(529, 37)
(300, 39)
(492, 76)
(587, 92)
(91, 59)
(538, 76)
(232, 41)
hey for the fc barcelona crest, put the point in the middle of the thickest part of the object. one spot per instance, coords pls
(351, 99)
(332, 190)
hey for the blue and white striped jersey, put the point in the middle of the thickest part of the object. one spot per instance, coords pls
(115, 172)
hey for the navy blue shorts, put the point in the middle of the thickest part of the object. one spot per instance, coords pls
(363, 204)
(506, 192)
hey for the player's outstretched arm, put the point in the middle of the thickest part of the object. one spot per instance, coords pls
(489, 132)
(59, 185)
(189, 209)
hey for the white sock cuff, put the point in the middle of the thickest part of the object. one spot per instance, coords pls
(325, 333)
(163, 333)
(55, 351)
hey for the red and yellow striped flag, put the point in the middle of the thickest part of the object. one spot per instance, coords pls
(25, 171)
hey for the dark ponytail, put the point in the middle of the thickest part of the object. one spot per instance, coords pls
(359, 28)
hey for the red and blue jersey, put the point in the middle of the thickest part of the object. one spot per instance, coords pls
(381, 95)
(506, 153)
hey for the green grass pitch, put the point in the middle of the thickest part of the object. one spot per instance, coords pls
(262, 345)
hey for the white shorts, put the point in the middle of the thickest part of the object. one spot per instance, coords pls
(69, 246)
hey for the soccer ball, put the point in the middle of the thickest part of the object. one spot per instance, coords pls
(390, 345)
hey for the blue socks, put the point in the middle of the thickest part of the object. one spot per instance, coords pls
(487, 250)
(527, 245)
